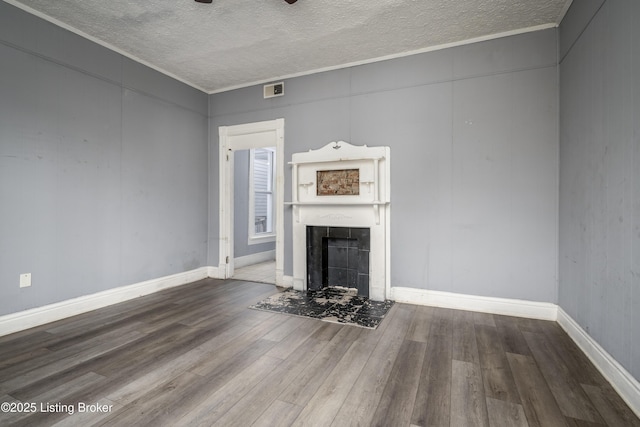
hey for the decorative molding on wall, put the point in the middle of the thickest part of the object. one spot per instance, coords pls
(381, 58)
(26, 319)
(622, 381)
(504, 306)
(256, 258)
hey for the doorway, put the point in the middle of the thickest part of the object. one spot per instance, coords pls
(239, 140)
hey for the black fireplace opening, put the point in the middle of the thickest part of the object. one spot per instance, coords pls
(338, 256)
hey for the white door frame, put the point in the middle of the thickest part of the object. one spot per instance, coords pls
(243, 137)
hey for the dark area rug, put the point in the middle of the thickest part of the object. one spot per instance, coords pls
(332, 304)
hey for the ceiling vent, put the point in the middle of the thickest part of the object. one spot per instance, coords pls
(273, 90)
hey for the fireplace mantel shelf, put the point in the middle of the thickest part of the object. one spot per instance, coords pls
(336, 203)
(374, 204)
(341, 159)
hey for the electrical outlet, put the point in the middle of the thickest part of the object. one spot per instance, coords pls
(25, 280)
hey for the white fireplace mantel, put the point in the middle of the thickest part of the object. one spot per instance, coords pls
(368, 209)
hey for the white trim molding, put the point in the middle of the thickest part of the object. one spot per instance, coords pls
(268, 133)
(504, 306)
(214, 273)
(287, 281)
(392, 56)
(26, 319)
(622, 381)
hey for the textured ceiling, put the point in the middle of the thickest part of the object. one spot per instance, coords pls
(235, 43)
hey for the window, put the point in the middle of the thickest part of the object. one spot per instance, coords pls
(261, 195)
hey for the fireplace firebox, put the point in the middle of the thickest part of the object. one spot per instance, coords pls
(338, 256)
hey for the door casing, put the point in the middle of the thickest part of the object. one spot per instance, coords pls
(243, 137)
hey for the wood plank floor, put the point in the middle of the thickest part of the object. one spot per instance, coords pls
(196, 355)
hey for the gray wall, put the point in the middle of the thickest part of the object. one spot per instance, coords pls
(600, 174)
(241, 209)
(474, 146)
(103, 167)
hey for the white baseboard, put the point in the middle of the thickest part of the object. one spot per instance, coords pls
(259, 257)
(504, 306)
(22, 320)
(214, 273)
(287, 282)
(622, 381)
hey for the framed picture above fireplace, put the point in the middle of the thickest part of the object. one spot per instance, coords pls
(341, 182)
